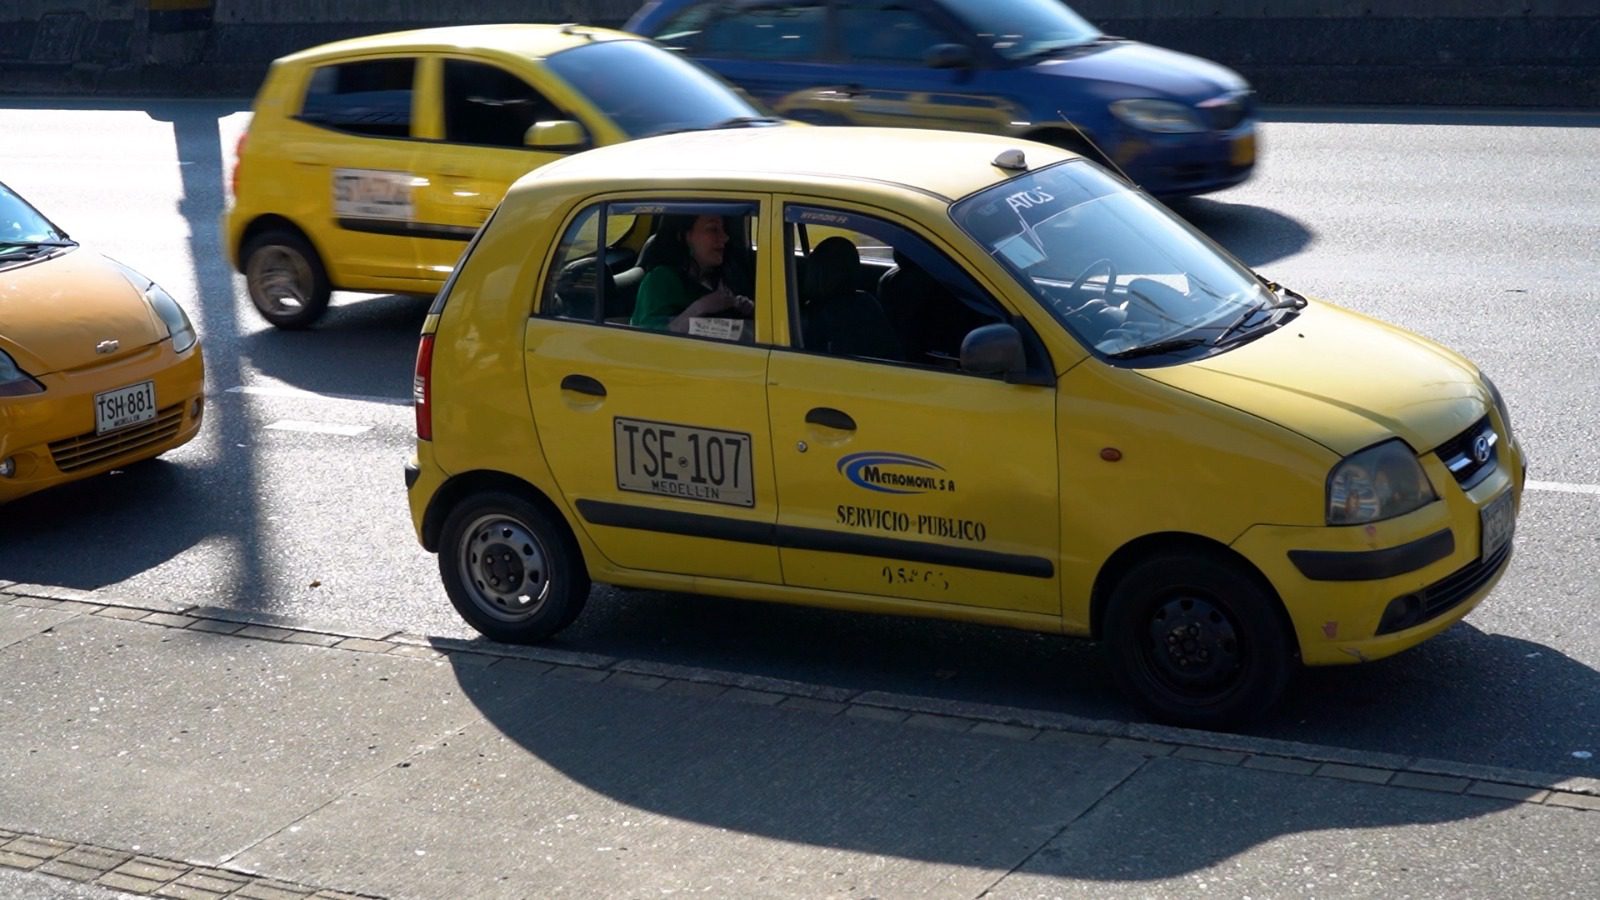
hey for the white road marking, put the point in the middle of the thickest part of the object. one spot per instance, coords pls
(297, 393)
(1564, 487)
(319, 427)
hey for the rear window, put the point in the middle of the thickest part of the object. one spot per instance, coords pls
(646, 90)
(371, 96)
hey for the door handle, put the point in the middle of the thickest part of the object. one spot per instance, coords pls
(828, 417)
(583, 384)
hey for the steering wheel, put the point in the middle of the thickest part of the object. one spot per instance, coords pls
(1097, 265)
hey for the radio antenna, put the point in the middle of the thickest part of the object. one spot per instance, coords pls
(1084, 136)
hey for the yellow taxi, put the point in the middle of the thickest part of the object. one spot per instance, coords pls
(952, 375)
(369, 163)
(99, 367)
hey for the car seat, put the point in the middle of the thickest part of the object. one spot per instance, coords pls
(576, 289)
(837, 318)
(930, 319)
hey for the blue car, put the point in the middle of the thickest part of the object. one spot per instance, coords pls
(1175, 124)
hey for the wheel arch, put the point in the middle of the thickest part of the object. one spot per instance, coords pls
(1131, 554)
(273, 222)
(459, 487)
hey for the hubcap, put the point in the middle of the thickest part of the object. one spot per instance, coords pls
(279, 279)
(503, 564)
(1195, 647)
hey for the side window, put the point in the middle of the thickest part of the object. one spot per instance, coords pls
(370, 97)
(869, 289)
(888, 34)
(487, 105)
(778, 33)
(682, 31)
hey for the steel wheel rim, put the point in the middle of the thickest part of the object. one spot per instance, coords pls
(504, 567)
(280, 279)
(1194, 649)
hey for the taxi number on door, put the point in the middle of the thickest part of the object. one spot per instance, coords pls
(684, 461)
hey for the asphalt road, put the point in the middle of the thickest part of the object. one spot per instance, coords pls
(1477, 230)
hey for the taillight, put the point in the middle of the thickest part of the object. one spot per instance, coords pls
(422, 389)
(238, 157)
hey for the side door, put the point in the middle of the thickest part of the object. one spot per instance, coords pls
(889, 81)
(900, 474)
(479, 114)
(360, 157)
(658, 440)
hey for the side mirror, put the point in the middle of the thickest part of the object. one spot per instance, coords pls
(993, 350)
(556, 134)
(948, 56)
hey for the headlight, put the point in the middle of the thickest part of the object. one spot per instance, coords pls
(1499, 403)
(1163, 116)
(1380, 482)
(178, 326)
(13, 381)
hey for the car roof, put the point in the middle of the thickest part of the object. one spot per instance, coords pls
(946, 165)
(529, 40)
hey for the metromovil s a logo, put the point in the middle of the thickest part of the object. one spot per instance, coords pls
(895, 473)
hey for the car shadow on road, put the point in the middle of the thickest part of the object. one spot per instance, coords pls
(363, 346)
(1256, 235)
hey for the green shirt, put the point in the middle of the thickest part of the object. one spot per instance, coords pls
(663, 295)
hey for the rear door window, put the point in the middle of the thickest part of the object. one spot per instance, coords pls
(780, 33)
(370, 97)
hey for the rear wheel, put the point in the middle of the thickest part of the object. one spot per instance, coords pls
(511, 571)
(286, 278)
(1196, 641)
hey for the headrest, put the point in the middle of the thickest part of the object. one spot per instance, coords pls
(831, 270)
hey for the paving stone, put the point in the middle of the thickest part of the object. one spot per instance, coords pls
(1143, 748)
(1281, 764)
(123, 612)
(18, 860)
(37, 602)
(1422, 781)
(171, 620)
(95, 857)
(413, 651)
(1207, 755)
(637, 682)
(363, 645)
(312, 638)
(1572, 801)
(941, 723)
(213, 880)
(577, 673)
(1011, 732)
(1507, 791)
(876, 713)
(759, 698)
(700, 689)
(152, 869)
(38, 847)
(1072, 739)
(806, 704)
(67, 870)
(129, 883)
(264, 632)
(217, 626)
(272, 890)
(184, 892)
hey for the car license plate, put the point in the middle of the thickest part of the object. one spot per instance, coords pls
(1496, 521)
(684, 461)
(1243, 152)
(124, 406)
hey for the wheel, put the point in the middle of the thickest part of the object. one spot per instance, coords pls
(511, 570)
(1197, 642)
(286, 279)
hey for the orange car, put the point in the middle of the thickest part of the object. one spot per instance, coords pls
(99, 367)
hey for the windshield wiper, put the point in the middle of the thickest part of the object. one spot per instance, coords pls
(1156, 348)
(9, 248)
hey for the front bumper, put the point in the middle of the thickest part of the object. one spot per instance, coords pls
(50, 437)
(1176, 165)
(1337, 582)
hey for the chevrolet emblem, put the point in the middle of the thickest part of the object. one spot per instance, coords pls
(106, 347)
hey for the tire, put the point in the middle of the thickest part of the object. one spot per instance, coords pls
(511, 569)
(286, 279)
(1196, 641)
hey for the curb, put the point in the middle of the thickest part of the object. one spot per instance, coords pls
(1368, 767)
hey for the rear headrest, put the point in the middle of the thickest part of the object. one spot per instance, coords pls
(831, 270)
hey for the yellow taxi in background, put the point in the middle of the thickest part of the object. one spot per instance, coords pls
(978, 379)
(99, 367)
(369, 163)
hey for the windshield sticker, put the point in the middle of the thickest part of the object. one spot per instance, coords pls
(684, 461)
(373, 194)
(872, 518)
(1020, 251)
(895, 473)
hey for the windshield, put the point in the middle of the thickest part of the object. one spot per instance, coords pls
(1114, 267)
(1021, 28)
(646, 90)
(21, 223)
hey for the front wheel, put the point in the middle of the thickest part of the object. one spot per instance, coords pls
(511, 571)
(1197, 642)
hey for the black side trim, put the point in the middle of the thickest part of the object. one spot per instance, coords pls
(408, 229)
(1372, 565)
(619, 515)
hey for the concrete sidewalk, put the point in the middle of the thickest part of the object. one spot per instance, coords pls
(202, 753)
